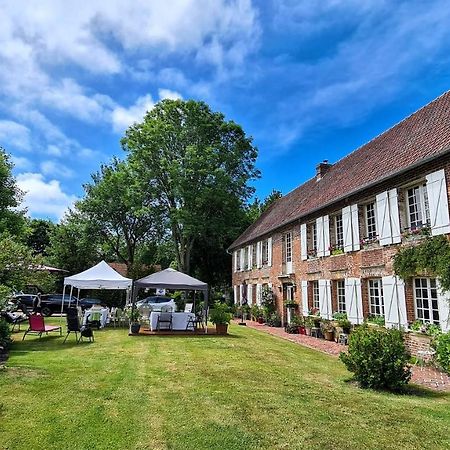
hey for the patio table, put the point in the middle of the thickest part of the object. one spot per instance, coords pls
(104, 316)
(179, 320)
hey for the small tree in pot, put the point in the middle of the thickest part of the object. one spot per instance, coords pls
(220, 316)
(134, 315)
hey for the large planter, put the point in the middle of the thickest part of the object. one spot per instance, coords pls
(301, 329)
(221, 328)
(260, 320)
(135, 327)
(328, 335)
(308, 331)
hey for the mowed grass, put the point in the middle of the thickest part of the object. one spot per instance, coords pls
(245, 391)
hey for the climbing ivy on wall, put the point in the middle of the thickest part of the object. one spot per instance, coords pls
(430, 257)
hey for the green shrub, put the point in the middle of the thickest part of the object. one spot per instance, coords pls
(274, 320)
(220, 314)
(441, 343)
(378, 358)
(5, 334)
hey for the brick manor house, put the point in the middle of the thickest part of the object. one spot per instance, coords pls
(329, 244)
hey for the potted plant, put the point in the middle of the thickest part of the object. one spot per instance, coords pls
(341, 324)
(327, 329)
(310, 322)
(298, 321)
(134, 316)
(220, 316)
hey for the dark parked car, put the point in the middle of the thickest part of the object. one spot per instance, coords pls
(51, 303)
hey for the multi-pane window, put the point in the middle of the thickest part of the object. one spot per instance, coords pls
(312, 239)
(371, 221)
(418, 208)
(340, 291)
(265, 252)
(246, 258)
(426, 300)
(376, 303)
(254, 255)
(238, 260)
(339, 231)
(287, 247)
(315, 285)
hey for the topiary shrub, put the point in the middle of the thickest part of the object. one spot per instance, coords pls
(378, 358)
(5, 335)
(441, 343)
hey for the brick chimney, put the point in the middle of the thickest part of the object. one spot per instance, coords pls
(322, 168)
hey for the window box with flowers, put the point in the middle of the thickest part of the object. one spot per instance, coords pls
(369, 242)
(416, 233)
(334, 250)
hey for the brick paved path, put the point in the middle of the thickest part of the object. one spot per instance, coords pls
(425, 376)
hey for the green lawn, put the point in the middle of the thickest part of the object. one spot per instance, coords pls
(246, 391)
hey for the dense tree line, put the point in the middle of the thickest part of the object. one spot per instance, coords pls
(179, 197)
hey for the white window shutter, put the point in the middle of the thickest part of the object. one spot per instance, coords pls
(347, 225)
(444, 309)
(395, 216)
(326, 235)
(383, 218)
(319, 230)
(355, 227)
(241, 259)
(235, 253)
(250, 257)
(304, 285)
(303, 241)
(394, 302)
(250, 294)
(258, 255)
(353, 300)
(325, 308)
(258, 294)
(269, 251)
(241, 293)
(235, 287)
(438, 203)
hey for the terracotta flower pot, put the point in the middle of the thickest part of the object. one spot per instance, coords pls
(308, 331)
(260, 320)
(221, 328)
(329, 335)
(301, 329)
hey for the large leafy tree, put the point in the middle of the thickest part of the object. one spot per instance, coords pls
(198, 165)
(74, 244)
(11, 219)
(38, 235)
(122, 209)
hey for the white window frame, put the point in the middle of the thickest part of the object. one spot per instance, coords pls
(254, 255)
(422, 204)
(315, 294)
(376, 301)
(372, 228)
(265, 253)
(339, 232)
(340, 296)
(428, 287)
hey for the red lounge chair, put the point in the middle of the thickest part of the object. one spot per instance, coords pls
(37, 326)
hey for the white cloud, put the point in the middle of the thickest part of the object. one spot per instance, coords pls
(44, 197)
(21, 163)
(13, 134)
(167, 93)
(55, 169)
(122, 117)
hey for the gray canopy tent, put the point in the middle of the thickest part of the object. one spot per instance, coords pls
(172, 279)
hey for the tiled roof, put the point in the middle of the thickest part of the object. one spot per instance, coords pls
(422, 136)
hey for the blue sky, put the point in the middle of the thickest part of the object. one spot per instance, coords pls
(308, 80)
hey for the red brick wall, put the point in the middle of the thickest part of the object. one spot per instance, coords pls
(375, 261)
(415, 342)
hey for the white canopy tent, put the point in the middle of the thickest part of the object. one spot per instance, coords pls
(101, 276)
(172, 279)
